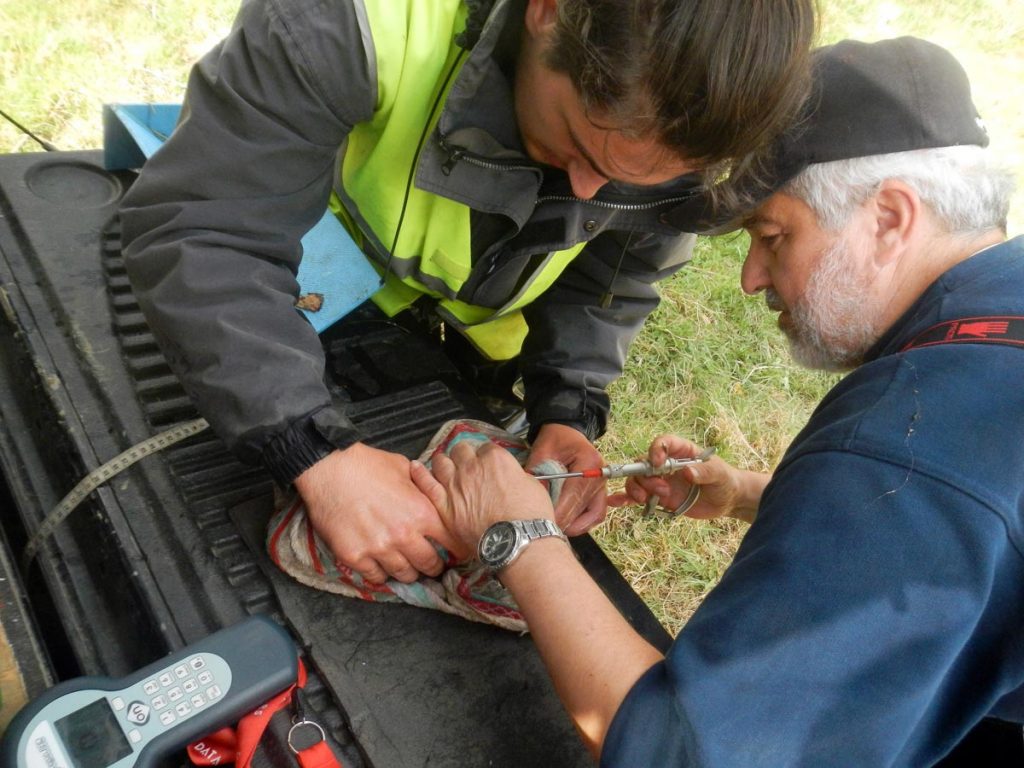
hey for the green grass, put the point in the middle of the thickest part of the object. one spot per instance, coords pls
(710, 365)
(60, 62)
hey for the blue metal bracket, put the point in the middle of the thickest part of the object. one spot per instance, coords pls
(334, 277)
(133, 132)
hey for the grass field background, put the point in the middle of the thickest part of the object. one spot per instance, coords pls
(710, 364)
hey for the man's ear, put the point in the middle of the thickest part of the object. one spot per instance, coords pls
(897, 210)
(541, 16)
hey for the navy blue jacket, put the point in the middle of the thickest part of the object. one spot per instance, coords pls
(875, 610)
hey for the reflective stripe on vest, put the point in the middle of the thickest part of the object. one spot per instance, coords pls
(432, 255)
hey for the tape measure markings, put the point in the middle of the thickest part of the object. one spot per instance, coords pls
(101, 475)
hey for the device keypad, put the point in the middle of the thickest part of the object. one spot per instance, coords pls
(178, 692)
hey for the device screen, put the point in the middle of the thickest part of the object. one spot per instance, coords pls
(92, 736)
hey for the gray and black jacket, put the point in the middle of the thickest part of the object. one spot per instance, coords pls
(211, 229)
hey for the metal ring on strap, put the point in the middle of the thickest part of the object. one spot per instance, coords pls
(323, 736)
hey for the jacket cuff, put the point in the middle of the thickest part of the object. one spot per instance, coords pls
(587, 421)
(304, 443)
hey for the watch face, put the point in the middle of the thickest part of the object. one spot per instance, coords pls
(498, 542)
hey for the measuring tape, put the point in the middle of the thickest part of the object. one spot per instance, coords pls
(99, 476)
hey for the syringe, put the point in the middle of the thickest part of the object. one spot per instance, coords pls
(634, 468)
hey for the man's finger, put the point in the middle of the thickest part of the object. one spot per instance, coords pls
(443, 469)
(448, 540)
(585, 522)
(632, 493)
(653, 486)
(620, 499)
(429, 486)
(369, 570)
(399, 568)
(592, 514)
(489, 448)
(664, 446)
(464, 451)
(575, 494)
(423, 556)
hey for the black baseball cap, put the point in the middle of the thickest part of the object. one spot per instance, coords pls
(869, 99)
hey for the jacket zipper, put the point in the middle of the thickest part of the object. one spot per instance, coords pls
(613, 206)
(455, 154)
(458, 153)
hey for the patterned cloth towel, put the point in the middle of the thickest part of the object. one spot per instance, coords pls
(464, 589)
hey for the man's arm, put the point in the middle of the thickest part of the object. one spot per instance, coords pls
(593, 655)
(211, 232)
(211, 228)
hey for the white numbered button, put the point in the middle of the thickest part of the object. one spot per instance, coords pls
(150, 687)
(198, 701)
(197, 662)
(181, 671)
(166, 679)
(159, 702)
(167, 718)
(175, 693)
(190, 686)
(213, 692)
(183, 709)
(204, 677)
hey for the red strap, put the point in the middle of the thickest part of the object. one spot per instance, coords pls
(215, 748)
(317, 756)
(237, 745)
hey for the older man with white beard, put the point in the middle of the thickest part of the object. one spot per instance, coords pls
(873, 614)
(859, 286)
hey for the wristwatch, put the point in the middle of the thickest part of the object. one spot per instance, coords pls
(503, 541)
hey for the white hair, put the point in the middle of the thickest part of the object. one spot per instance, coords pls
(962, 186)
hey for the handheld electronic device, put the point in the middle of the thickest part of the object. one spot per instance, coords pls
(100, 722)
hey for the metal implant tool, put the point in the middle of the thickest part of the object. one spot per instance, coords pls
(633, 469)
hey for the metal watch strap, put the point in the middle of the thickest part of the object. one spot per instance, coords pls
(538, 529)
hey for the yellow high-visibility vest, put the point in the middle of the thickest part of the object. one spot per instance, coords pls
(416, 57)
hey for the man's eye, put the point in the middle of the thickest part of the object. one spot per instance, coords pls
(770, 240)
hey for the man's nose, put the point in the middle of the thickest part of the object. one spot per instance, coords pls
(584, 179)
(754, 277)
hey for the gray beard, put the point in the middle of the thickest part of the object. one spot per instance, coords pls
(832, 325)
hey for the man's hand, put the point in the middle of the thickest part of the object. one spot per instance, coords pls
(724, 490)
(480, 486)
(374, 519)
(594, 656)
(581, 505)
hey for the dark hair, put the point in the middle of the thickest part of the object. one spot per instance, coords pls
(712, 80)
(476, 16)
